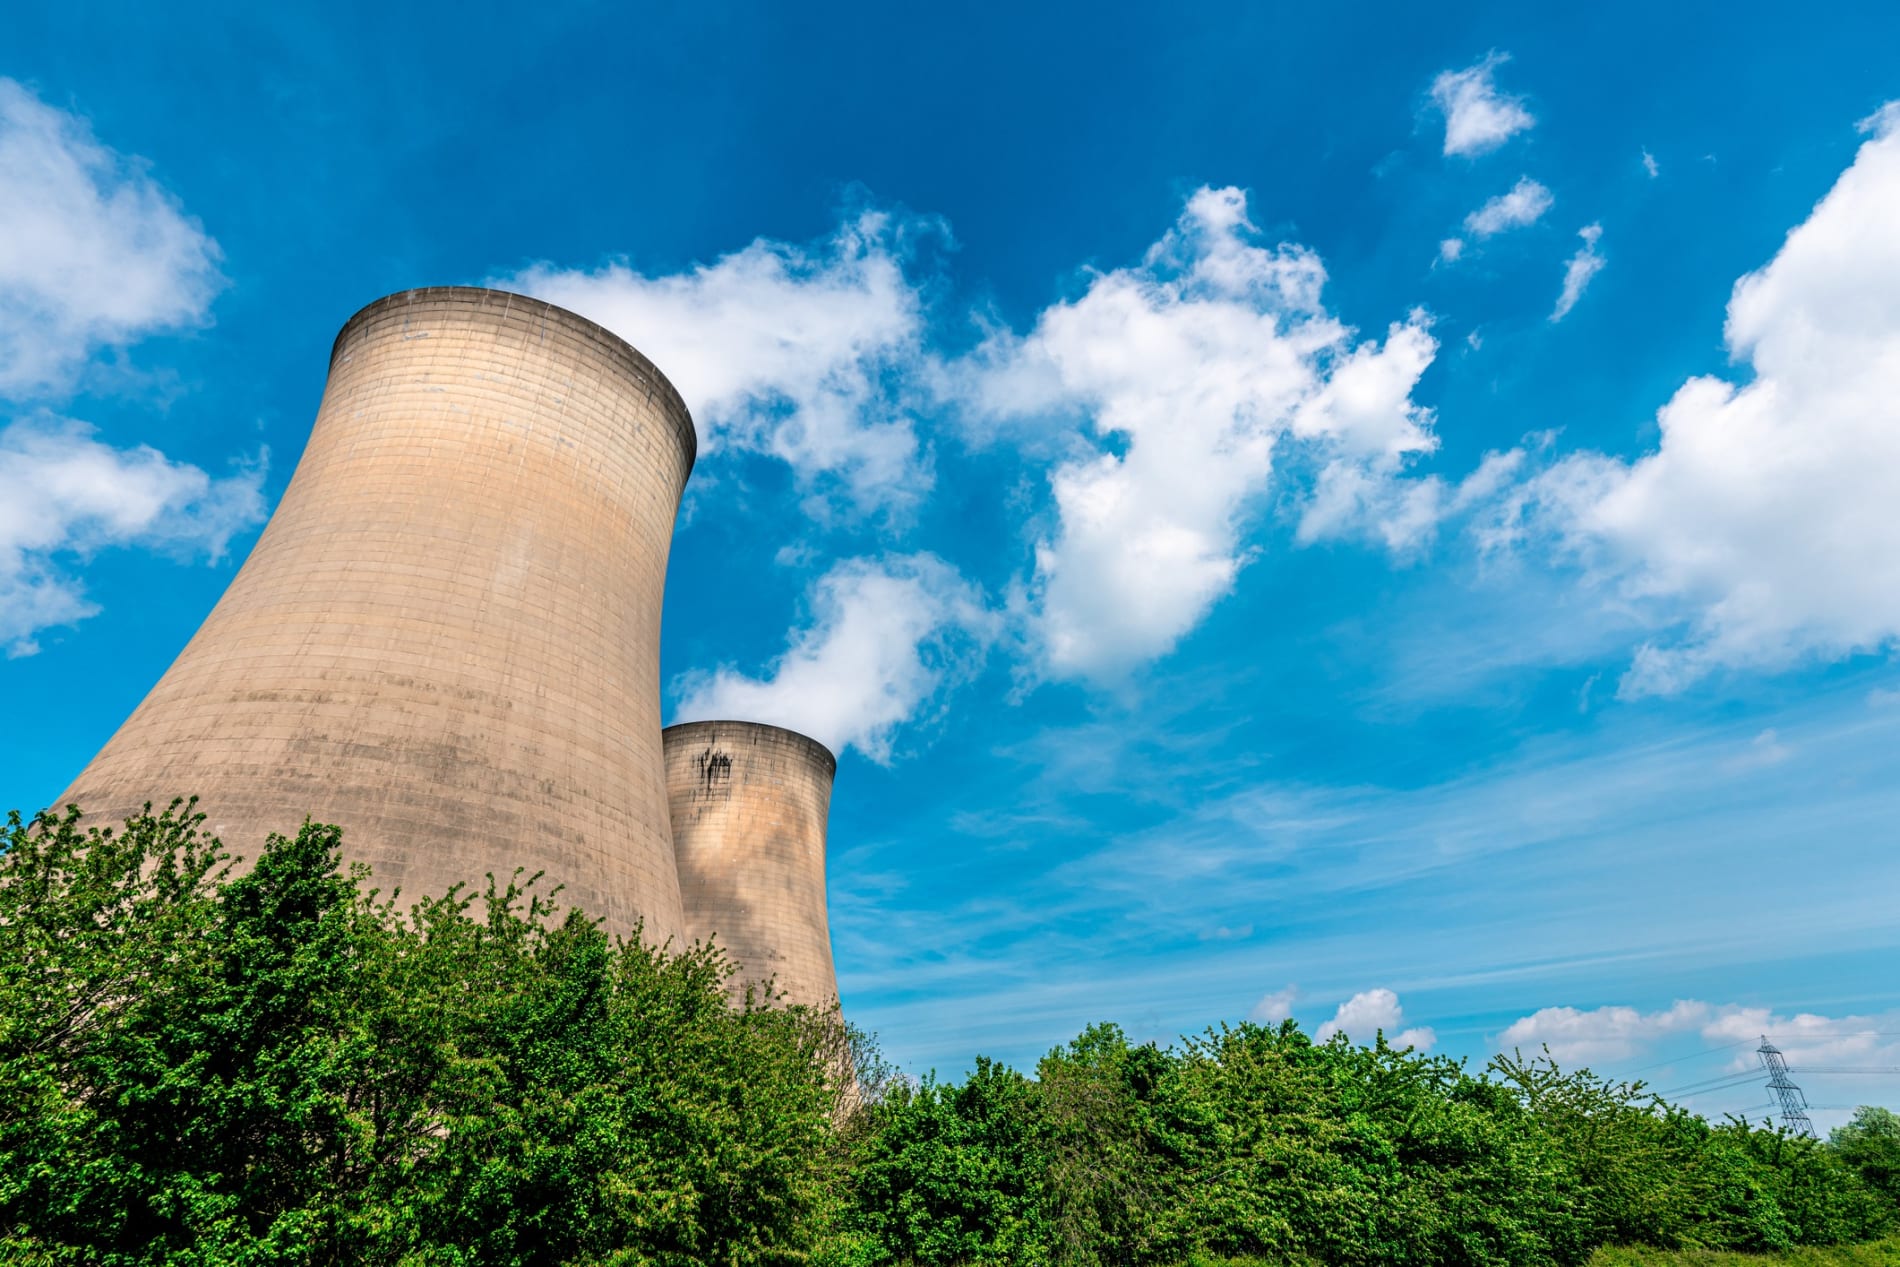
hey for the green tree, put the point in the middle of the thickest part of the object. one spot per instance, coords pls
(1870, 1143)
(946, 1174)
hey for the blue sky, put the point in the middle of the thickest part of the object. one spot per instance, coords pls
(1366, 514)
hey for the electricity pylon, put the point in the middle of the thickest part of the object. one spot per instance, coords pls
(1794, 1105)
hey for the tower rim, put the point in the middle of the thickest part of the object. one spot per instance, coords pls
(831, 758)
(509, 300)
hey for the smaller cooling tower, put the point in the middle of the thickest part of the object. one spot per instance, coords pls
(749, 803)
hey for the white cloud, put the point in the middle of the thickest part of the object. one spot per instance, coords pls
(885, 639)
(1601, 1034)
(1354, 499)
(1520, 205)
(69, 495)
(1450, 250)
(1477, 116)
(1582, 266)
(1650, 165)
(1186, 372)
(1614, 1033)
(93, 252)
(1763, 524)
(1374, 503)
(1808, 1038)
(799, 352)
(1275, 1006)
(1765, 749)
(1371, 1012)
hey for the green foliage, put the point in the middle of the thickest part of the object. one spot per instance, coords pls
(948, 1174)
(1256, 1145)
(202, 1065)
(1883, 1253)
(280, 1067)
(1870, 1143)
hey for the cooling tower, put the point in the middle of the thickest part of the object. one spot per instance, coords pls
(446, 641)
(749, 808)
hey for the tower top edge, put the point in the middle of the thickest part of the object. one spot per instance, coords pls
(689, 731)
(504, 302)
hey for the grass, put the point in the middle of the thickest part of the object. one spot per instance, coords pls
(1872, 1254)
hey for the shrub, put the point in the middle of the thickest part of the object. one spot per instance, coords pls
(283, 1066)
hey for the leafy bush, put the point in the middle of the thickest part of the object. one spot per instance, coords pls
(282, 1067)
(1870, 1143)
(1256, 1144)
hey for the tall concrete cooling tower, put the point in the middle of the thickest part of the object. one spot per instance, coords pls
(447, 638)
(749, 808)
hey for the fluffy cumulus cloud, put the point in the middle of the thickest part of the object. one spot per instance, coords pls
(1761, 531)
(1523, 203)
(1372, 1012)
(70, 494)
(1615, 1033)
(1173, 383)
(93, 254)
(1600, 1034)
(1477, 116)
(93, 251)
(885, 639)
(801, 352)
(1578, 271)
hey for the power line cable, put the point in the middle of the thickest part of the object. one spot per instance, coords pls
(1690, 1088)
(1707, 1085)
(1805, 1034)
(1832, 1069)
(1712, 1051)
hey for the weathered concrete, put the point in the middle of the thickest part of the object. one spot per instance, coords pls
(749, 808)
(447, 638)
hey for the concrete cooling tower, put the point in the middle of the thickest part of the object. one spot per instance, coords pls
(749, 809)
(446, 641)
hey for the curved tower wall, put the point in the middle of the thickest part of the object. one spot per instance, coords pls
(446, 640)
(749, 808)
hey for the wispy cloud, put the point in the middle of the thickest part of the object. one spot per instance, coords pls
(1520, 205)
(1478, 118)
(1579, 271)
(1511, 880)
